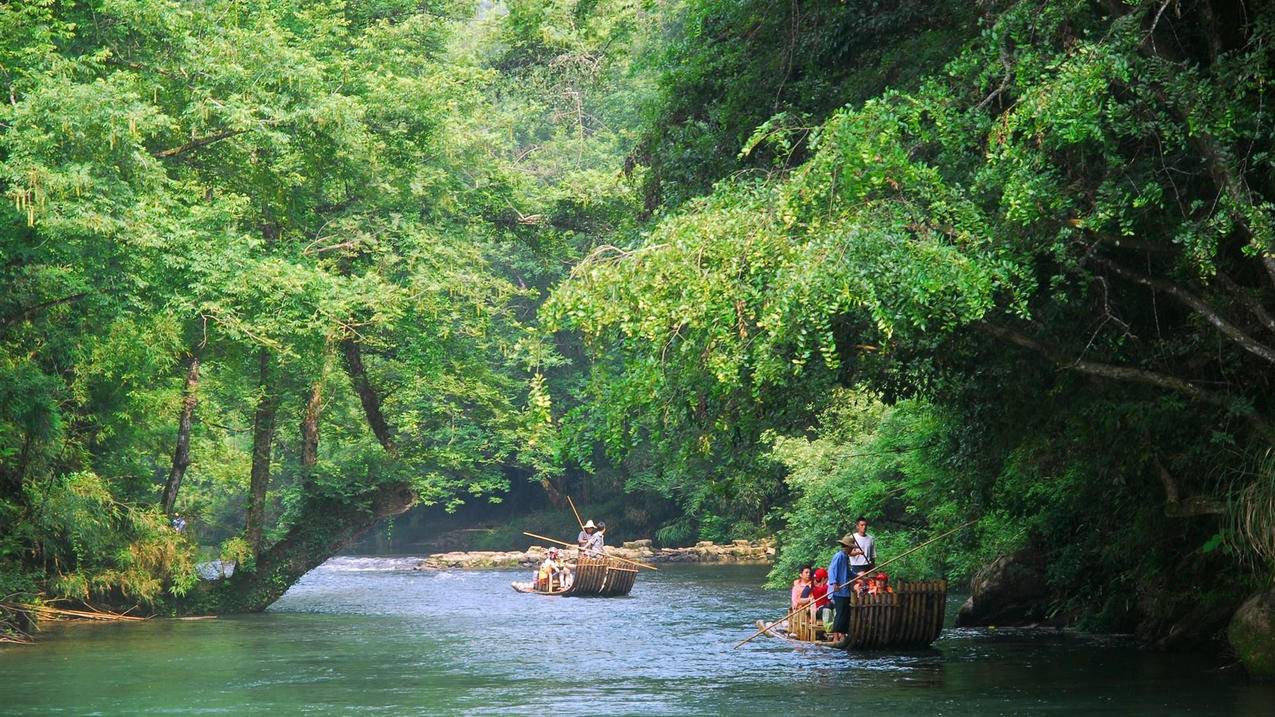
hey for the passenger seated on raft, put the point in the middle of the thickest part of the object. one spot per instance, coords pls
(879, 584)
(819, 605)
(801, 587)
(549, 572)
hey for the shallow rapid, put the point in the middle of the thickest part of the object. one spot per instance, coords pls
(370, 635)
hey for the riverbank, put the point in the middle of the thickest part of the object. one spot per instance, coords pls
(737, 552)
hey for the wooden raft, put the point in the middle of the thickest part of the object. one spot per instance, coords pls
(911, 616)
(601, 577)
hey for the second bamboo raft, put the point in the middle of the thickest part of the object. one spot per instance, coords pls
(601, 577)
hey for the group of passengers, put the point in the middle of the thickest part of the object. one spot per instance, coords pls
(827, 591)
(555, 574)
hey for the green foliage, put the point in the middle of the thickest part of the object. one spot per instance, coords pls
(1051, 259)
(237, 182)
(734, 267)
(96, 548)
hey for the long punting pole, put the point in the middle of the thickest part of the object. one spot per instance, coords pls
(855, 580)
(573, 510)
(613, 557)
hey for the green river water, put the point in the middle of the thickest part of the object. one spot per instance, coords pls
(372, 636)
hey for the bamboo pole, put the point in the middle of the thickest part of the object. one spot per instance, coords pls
(49, 610)
(577, 513)
(613, 557)
(857, 578)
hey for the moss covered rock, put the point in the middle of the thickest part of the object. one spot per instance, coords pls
(1252, 634)
(1009, 591)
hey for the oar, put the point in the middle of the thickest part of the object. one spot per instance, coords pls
(573, 510)
(856, 579)
(613, 557)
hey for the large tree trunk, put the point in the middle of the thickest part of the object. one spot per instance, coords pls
(324, 525)
(368, 396)
(262, 440)
(310, 428)
(181, 454)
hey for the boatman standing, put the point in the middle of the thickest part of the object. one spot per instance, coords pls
(839, 583)
(586, 532)
(863, 556)
(594, 547)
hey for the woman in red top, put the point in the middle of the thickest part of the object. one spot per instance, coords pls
(819, 592)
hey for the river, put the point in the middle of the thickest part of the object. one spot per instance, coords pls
(369, 635)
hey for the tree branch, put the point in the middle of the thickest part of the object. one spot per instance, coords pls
(367, 395)
(1210, 314)
(1175, 506)
(1243, 296)
(1105, 370)
(28, 310)
(198, 142)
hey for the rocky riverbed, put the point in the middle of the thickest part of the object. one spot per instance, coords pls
(738, 551)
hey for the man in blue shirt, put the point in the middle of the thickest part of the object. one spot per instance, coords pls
(839, 585)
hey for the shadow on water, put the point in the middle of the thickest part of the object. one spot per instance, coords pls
(368, 634)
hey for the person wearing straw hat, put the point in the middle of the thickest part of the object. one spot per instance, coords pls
(597, 541)
(839, 577)
(586, 532)
(549, 570)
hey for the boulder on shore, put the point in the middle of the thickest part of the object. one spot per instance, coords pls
(1010, 591)
(1252, 634)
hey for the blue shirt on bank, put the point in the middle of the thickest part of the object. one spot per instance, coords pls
(839, 574)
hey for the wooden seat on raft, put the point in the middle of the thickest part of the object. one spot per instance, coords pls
(803, 626)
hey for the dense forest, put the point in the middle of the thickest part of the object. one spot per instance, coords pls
(731, 269)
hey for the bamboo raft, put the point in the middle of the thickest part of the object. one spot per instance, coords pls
(911, 616)
(602, 577)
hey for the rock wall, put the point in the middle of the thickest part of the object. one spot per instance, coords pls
(739, 552)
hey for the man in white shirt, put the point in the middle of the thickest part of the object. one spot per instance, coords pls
(863, 554)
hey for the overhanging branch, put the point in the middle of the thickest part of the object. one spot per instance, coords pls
(198, 142)
(1231, 331)
(1105, 370)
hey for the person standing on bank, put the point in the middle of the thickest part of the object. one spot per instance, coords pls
(863, 556)
(839, 587)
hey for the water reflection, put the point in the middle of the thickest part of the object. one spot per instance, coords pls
(370, 634)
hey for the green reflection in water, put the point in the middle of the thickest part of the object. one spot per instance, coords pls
(368, 636)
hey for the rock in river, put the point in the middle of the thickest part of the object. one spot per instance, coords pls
(1252, 634)
(1010, 591)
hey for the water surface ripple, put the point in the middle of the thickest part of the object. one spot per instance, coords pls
(371, 636)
